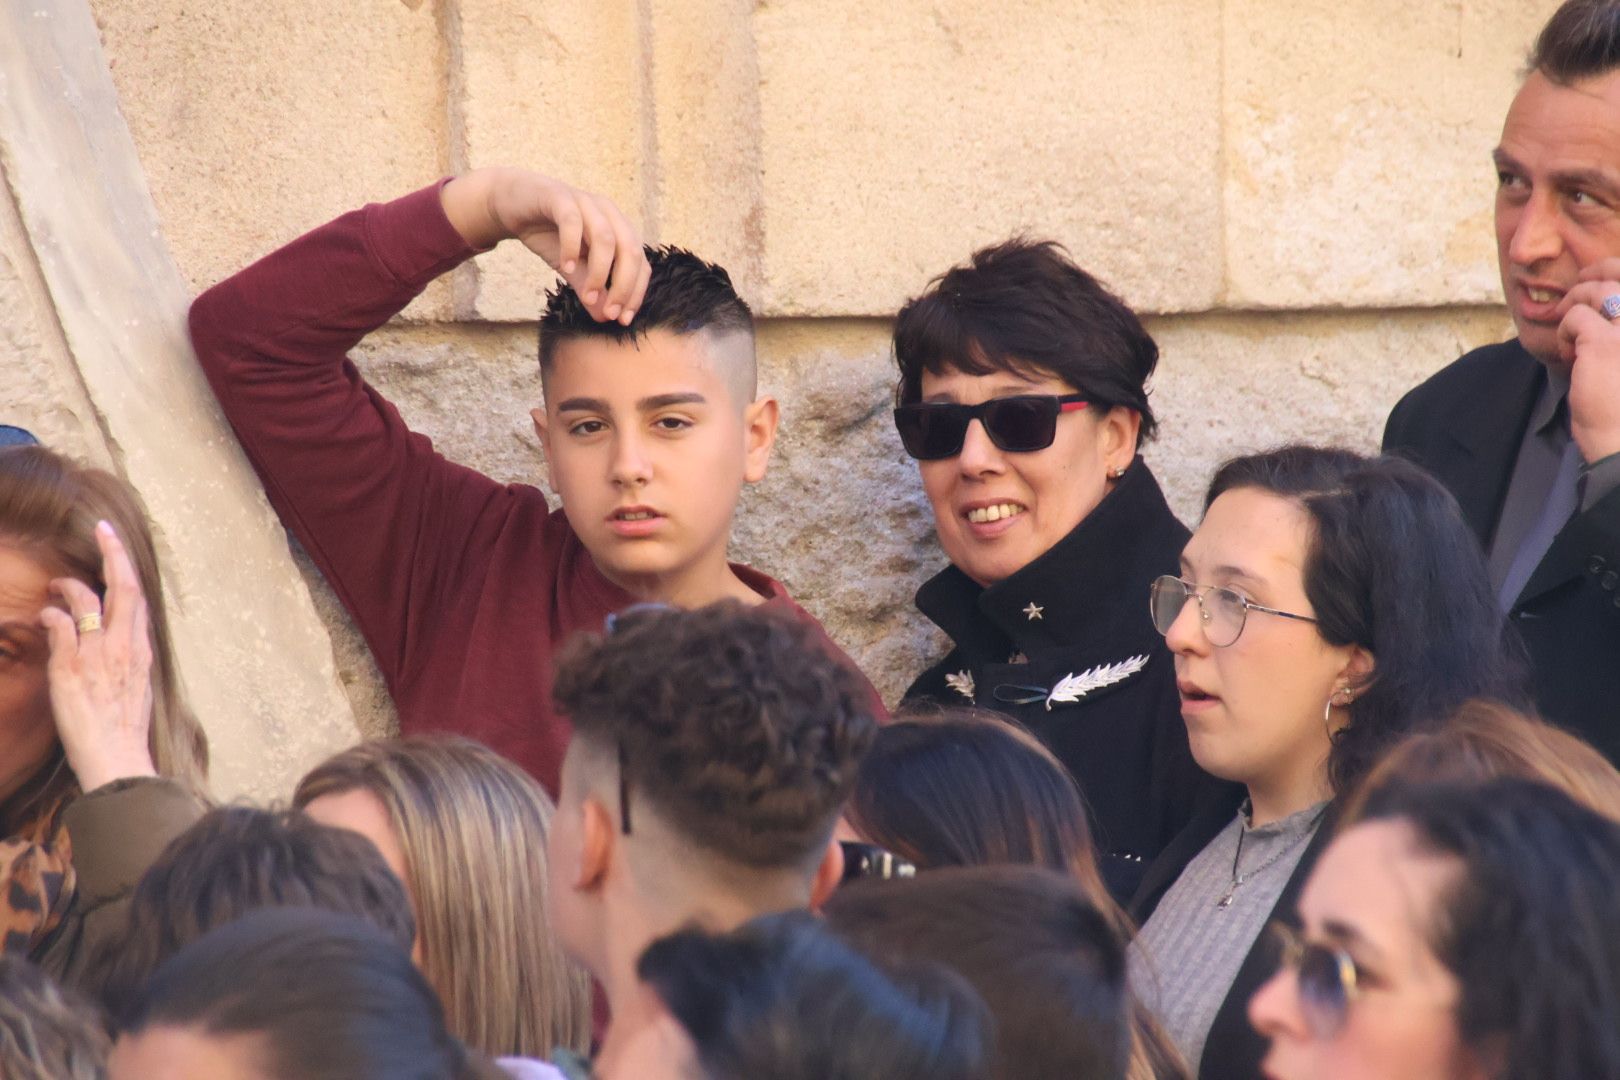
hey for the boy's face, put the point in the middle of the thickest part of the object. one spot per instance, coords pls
(648, 443)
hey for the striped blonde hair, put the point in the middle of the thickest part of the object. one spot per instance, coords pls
(473, 829)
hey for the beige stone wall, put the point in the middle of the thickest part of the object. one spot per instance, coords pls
(1298, 191)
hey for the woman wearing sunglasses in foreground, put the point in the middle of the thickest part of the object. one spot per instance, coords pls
(1022, 395)
(1456, 933)
(1328, 605)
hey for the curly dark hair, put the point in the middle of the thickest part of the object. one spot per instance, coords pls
(1392, 568)
(1580, 41)
(1530, 927)
(234, 860)
(684, 294)
(1023, 306)
(738, 723)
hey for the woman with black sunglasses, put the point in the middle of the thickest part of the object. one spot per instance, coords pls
(1327, 605)
(1023, 396)
(1456, 933)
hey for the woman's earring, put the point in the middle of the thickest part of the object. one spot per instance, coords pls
(1115, 474)
(1333, 699)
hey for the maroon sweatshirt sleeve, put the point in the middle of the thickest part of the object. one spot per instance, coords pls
(397, 529)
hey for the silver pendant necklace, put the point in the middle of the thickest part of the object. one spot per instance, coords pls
(1239, 880)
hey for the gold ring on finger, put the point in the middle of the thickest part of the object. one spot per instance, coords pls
(89, 624)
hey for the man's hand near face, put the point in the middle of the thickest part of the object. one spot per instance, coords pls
(1591, 344)
(584, 237)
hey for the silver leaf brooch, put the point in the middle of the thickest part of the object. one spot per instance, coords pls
(1073, 687)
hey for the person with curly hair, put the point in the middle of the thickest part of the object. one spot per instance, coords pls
(1328, 605)
(713, 751)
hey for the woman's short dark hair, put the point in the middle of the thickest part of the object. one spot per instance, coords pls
(328, 996)
(234, 860)
(783, 997)
(1023, 306)
(969, 787)
(1530, 927)
(1049, 965)
(1391, 567)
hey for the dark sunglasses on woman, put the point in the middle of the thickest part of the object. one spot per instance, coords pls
(1020, 424)
(1326, 978)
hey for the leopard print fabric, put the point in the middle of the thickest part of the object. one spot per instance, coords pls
(36, 878)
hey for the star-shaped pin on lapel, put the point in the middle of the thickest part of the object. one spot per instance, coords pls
(1033, 611)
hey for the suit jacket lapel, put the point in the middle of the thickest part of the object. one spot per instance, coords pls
(1488, 429)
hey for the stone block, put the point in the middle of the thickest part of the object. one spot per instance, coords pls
(559, 87)
(898, 138)
(1358, 140)
(1233, 384)
(256, 122)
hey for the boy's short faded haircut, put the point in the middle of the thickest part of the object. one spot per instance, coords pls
(738, 724)
(685, 294)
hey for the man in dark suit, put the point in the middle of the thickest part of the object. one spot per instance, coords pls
(1526, 434)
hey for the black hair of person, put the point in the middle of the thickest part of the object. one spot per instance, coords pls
(1392, 567)
(1581, 41)
(326, 996)
(685, 294)
(1529, 926)
(1023, 307)
(783, 997)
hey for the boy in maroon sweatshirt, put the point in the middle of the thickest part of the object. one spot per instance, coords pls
(464, 587)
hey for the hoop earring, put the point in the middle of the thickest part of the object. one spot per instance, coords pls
(1333, 699)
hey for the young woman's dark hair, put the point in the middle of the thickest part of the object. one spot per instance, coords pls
(1531, 925)
(963, 786)
(1048, 963)
(325, 996)
(783, 997)
(234, 860)
(1392, 567)
(1023, 306)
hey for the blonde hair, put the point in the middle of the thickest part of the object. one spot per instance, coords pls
(1484, 740)
(49, 506)
(473, 829)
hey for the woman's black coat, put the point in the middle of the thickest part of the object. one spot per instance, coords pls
(1080, 613)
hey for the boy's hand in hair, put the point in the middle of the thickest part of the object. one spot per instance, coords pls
(584, 237)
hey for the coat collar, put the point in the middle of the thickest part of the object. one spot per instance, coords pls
(1488, 429)
(1090, 586)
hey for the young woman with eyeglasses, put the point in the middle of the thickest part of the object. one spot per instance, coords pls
(1327, 605)
(1023, 397)
(1457, 933)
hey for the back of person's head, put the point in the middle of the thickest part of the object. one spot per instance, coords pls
(1390, 567)
(1486, 739)
(46, 1032)
(969, 787)
(782, 997)
(1024, 307)
(299, 994)
(1048, 963)
(685, 295)
(236, 860)
(1530, 925)
(49, 507)
(466, 819)
(736, 729)
(1581, 41)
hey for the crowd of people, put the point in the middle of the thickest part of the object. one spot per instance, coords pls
(1320, 788)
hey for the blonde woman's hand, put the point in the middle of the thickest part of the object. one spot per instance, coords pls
(100, 671)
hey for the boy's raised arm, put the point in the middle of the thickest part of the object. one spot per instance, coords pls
(393, 525)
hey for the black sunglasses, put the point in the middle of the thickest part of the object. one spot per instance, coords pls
(1020, 424)
(1326, 978)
